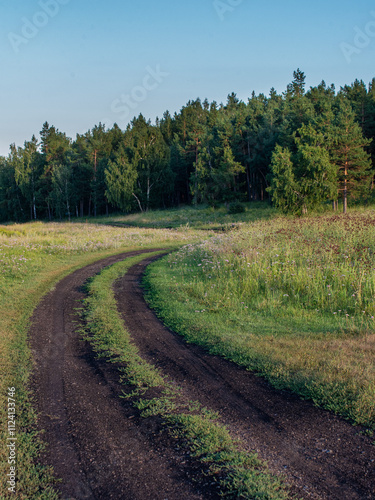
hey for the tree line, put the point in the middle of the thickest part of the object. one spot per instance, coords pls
(299, 149)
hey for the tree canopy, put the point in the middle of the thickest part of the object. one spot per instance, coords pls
(299, 149)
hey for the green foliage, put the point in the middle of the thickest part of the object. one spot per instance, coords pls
(283, 188)
(205, 153)
(355, 171)
(236, 208)
(120, 177)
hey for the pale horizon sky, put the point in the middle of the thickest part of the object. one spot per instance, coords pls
(76, 63)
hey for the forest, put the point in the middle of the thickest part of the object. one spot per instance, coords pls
(300, 150)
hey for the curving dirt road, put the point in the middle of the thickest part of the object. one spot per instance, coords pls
(98, 447)
(101, 449)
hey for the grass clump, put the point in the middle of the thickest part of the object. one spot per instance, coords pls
(291, 299)
(197, 430)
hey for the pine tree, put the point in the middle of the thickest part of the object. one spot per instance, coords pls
(224, 176)
(27, 172)
(55, 146)
(352, 161)
(316, 174)
(151, 156)
(283, 186)
(120, 178)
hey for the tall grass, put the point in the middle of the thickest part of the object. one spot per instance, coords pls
(292, 299)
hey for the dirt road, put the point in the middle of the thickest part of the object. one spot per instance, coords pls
(96, 444)
(101, 449)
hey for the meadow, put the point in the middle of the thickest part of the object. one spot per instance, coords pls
(290, 299)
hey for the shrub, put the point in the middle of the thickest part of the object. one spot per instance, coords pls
(236, 208)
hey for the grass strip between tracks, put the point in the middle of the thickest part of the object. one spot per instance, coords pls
(238, 474)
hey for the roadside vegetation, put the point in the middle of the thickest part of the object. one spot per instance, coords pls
(33, 258)
(237, 474)
(290, 299)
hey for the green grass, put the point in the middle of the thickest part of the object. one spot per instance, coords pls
(33, 258)
(239, 474)
(201, 217)
(291, 299)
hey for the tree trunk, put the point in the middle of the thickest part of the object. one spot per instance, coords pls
(248, 183)
(34, 206)
(139, 203)
(345, 193)
(148, 194)
(95, 169)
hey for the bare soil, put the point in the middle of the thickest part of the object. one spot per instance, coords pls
(101, 448)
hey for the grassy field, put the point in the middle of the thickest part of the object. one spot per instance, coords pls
(33, 257)
(291, 299)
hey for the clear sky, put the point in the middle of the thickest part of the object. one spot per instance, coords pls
(75, 63)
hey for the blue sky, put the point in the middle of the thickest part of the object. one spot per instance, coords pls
(74, 63)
